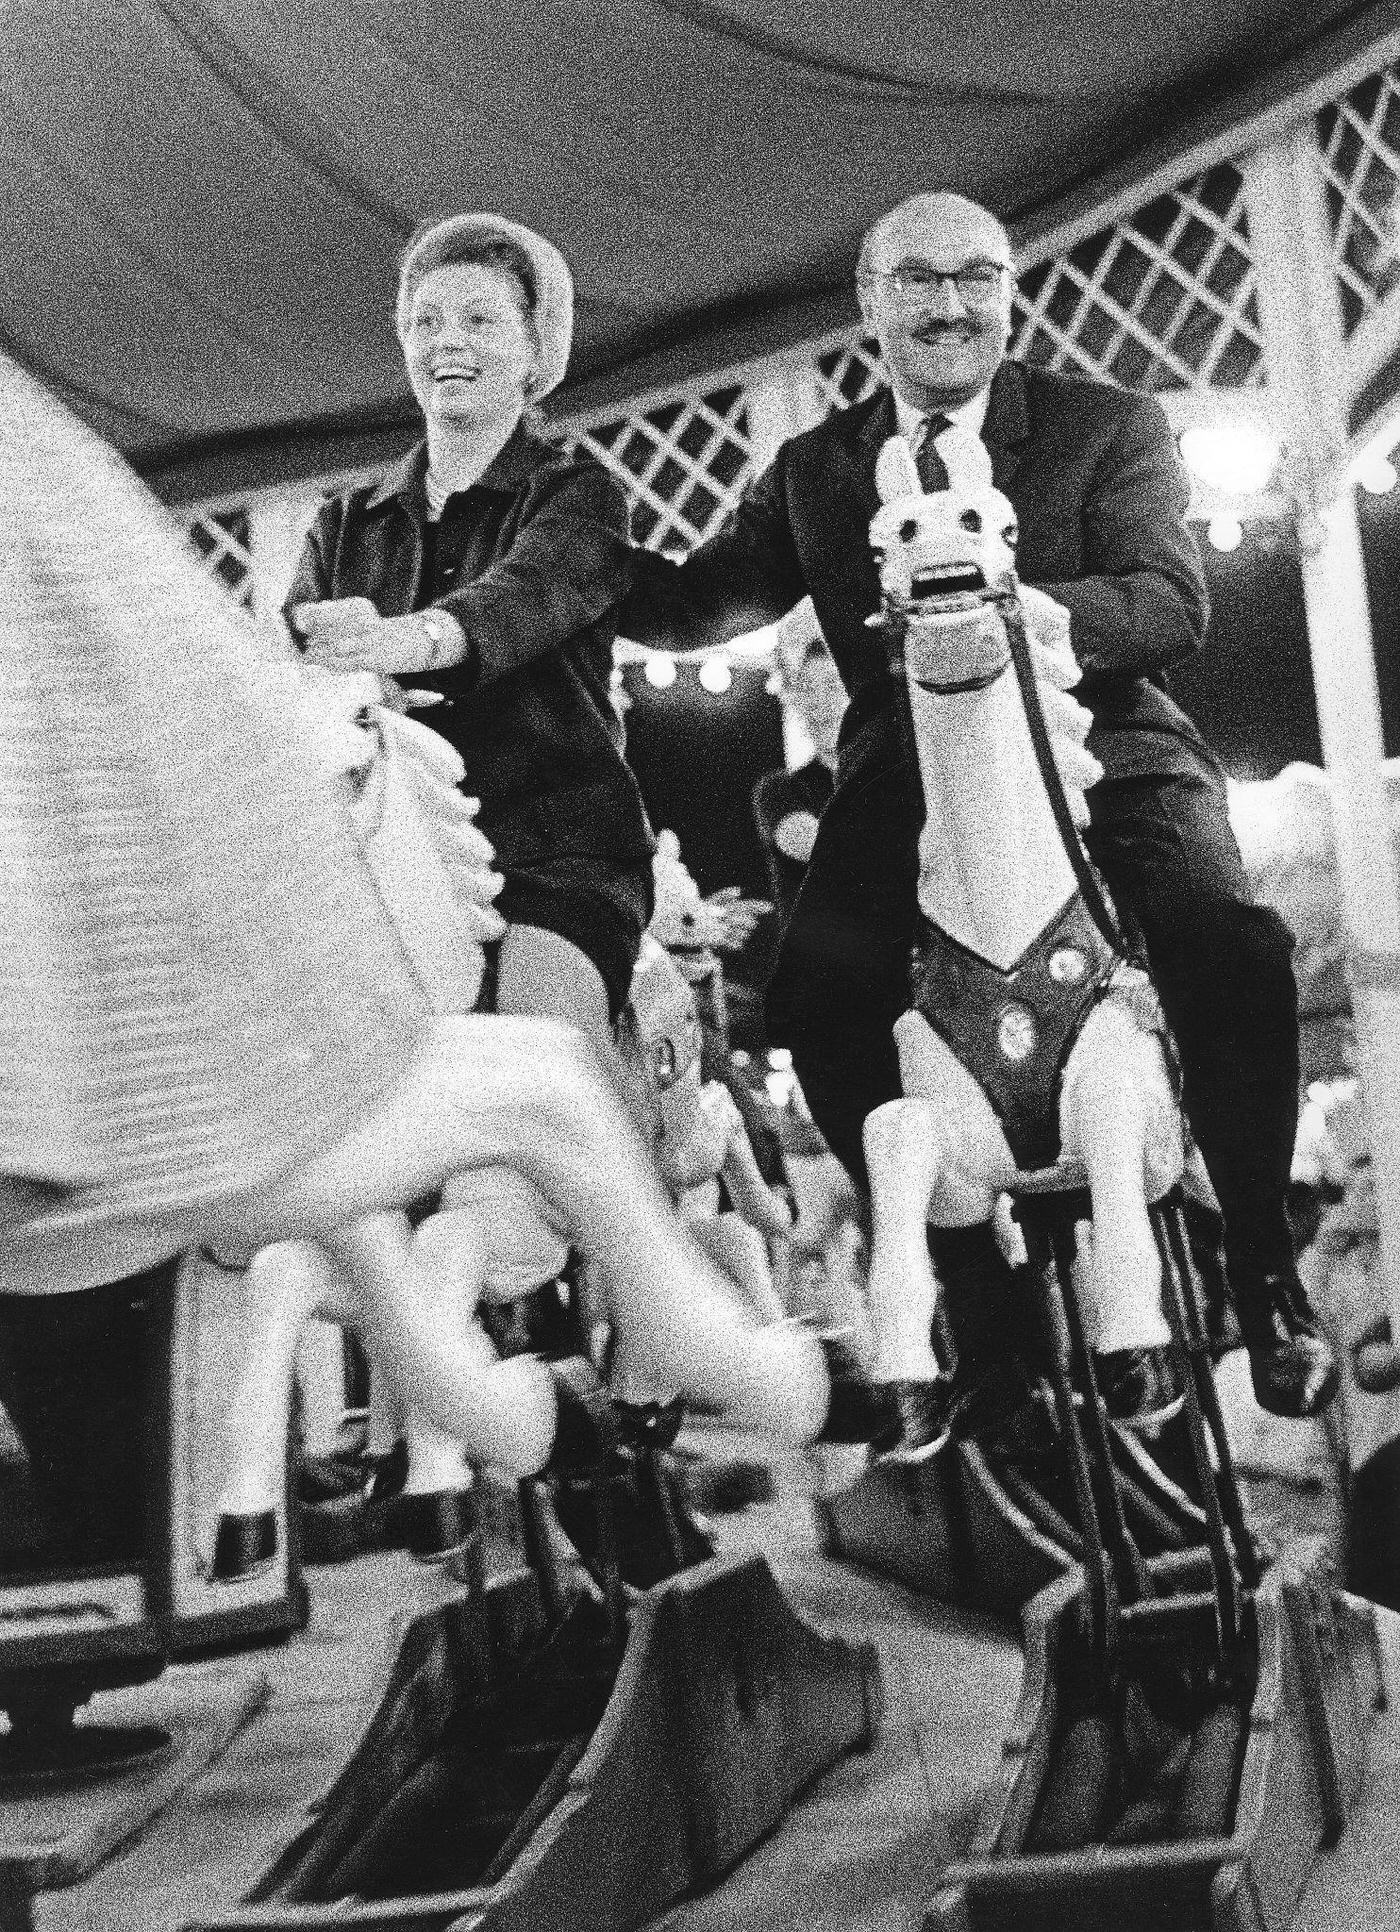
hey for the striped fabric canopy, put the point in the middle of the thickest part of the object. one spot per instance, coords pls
(204, 202)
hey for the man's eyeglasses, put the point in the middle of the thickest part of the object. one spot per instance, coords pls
(974, 281)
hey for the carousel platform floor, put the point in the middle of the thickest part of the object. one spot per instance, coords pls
(862, 1848)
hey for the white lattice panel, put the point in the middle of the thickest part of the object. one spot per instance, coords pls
(848, 371)
(1359, 136)
(1164, 300)
(221, 540)
(684, 464)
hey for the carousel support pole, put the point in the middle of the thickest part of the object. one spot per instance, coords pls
(1306, 361)
(784, 398)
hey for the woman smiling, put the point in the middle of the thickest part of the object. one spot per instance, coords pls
(488, 568)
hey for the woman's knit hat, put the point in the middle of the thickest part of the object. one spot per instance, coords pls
(552, 309)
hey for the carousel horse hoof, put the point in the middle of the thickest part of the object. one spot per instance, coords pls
(649, 1425)
(1139, 1387)
(433, 1525)
(1375, 1358)
(1006, 1406)
(1291, 1366)
(656, 1534)
(244, 1546)
(587, 1432)
(924, 1413)
(858, 1409)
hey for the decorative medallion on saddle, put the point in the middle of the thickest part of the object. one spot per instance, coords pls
(1015, 1029)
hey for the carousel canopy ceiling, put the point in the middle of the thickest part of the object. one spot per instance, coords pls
(203, 203)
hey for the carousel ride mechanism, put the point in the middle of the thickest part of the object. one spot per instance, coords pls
(581, 1737)
(103, 1583)
(1189, 1731)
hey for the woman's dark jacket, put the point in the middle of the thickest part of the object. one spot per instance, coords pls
(533, 561)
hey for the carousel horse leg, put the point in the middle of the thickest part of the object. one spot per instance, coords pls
(1106, 1121)
(435, 1511)
(284, 1285)
(409, 1307)
(903, 1156)
(528, 1094)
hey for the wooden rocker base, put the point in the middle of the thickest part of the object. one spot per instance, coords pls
(511, 1780)
(974, 1529)
(945, 1527)
(54, 1831)
(1228, 1839)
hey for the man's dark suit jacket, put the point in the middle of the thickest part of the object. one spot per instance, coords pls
(1100, 495)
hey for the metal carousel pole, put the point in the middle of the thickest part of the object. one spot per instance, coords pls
(1306, 362)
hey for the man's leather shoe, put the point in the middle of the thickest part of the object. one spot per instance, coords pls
(924, 1410)
(612, 1455)
(1293, 1369)
(1003, 1403)
(1139, 1386)
(656, 1535)
(587, 1431)
(858, 1410)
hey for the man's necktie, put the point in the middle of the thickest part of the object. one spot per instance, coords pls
(933, 471)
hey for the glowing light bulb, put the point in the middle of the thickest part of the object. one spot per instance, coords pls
(1376, 474)
(1232, 455)
(660, 672)
(1225, 532)
(716, 676)
(779, 1087)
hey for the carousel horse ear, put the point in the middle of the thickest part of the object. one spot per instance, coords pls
(966, 459)
(896, 473)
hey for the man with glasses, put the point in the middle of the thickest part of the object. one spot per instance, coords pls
(1100, 497)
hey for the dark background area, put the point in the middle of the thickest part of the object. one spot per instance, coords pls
(1250, 690)
(697, 757)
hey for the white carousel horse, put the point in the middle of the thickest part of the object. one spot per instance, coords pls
(698, 1140)
(1055, 1019)
(491, 1237)
(210, 1027)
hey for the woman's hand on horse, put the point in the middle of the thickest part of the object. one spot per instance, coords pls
(348, 634)
(320, 623)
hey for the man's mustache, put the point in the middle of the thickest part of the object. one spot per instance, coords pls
(937, 331)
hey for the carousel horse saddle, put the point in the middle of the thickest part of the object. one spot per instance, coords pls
(1014, 1030)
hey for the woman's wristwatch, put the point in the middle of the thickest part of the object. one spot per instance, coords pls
(439, 631)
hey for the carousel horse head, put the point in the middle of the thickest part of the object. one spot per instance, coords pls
(659, 1039)
(942, 558)
(947, 568)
